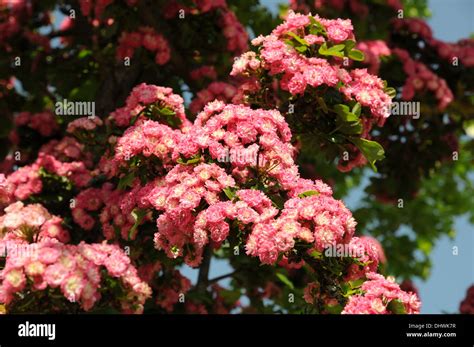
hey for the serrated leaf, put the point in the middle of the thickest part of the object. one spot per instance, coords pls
(285, 280)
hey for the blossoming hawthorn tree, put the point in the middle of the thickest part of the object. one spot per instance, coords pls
(428, 154)
(102, 212)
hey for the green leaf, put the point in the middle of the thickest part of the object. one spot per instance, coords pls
(290, 42)
(322, 103)
(391, 92)
(84, 53)
(301, 49)
(351, 128)
(344, 114)
(138, 214)
(193, 160)
(166, 111)
(349, 44)
(297, 38)
(230, 296)
(356, 283)
(371, 150)
(126, 181)
(85, 92)
(357, 55)
(316, 254)
(285, 280)
(316, 27)
(357, 109)
(278, 201)
(335, 51)
(396, 306)
(308, 193)
(229, 192)
(334, 309)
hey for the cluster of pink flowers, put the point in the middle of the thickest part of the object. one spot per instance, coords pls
(367, 89)
(221, 129)
(318, 219)
(369, 252)
(26, 181)
(299, 72)
(31, 222)
(463, 50)
(184, 188)
(144, 95)
(67, 149)
(6, 191)
(215, 91)
(199, 6)
(377, 294)
(358, 7)
(95, 6)
(8, 27)
(234, 32)
(75, 271)
(149, 39)
(252, 207)
(112, 207)
(43, 122)
(420, 79)
(84, 124)
(89, 200)
(206, 71)
(169, 292)
(218, 130)
(373, 50)
(148, 138)
(467, 305)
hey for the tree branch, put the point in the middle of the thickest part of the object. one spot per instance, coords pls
(203, 276)
(218, 278)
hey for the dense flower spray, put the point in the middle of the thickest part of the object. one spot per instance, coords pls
(305, 60)
(148, 190)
